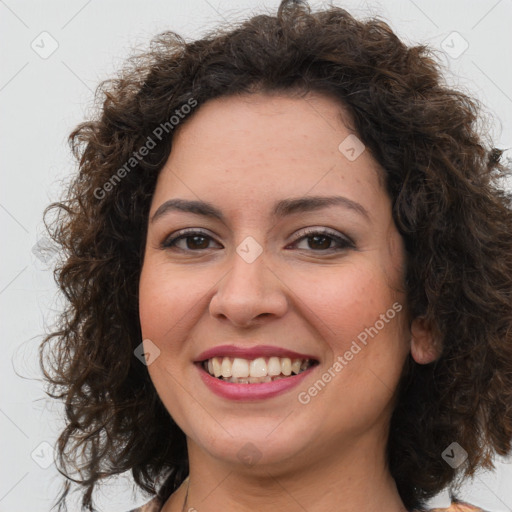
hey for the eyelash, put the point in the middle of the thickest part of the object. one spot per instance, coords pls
(344, 242)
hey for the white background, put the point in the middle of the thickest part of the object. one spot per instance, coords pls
(42, 100)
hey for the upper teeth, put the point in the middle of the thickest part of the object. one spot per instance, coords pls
(260, 367)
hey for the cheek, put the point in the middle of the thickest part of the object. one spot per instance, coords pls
(154, 301)
(346, 299)
(169, 298)
(161, 306)
(359, 317)
(367, 352)
(164, 310)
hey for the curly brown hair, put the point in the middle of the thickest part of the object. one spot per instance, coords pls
(448, 204)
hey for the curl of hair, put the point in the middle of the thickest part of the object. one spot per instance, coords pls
(454, 217)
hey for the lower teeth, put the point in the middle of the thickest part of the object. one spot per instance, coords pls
(255, 380)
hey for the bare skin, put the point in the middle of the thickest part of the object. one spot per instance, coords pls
(311, 295)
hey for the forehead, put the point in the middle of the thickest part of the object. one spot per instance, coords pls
(269, 145)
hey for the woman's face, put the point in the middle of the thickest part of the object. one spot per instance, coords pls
(289, 250)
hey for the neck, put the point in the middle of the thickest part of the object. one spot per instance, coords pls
(359, 480)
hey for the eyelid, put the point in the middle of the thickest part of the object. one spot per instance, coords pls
(183, 233)
(314, 230)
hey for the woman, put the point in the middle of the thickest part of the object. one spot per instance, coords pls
(288, 272)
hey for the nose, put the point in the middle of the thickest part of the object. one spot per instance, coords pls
(248, 293)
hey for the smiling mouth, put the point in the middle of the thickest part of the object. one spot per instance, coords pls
(255, 371)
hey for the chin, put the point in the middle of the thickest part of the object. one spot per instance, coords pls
(253, 443)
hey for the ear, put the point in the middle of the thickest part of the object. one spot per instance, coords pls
(424, 348)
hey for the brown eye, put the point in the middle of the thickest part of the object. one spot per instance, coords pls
(321, 240)
(196, 242)
(189, 241)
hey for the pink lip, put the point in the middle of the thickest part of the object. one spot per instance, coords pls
(250, 352)
(249, 392)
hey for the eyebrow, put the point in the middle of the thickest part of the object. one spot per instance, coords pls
(281, 208)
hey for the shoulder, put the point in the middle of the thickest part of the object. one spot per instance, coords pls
(153, 506)
(458, 507)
